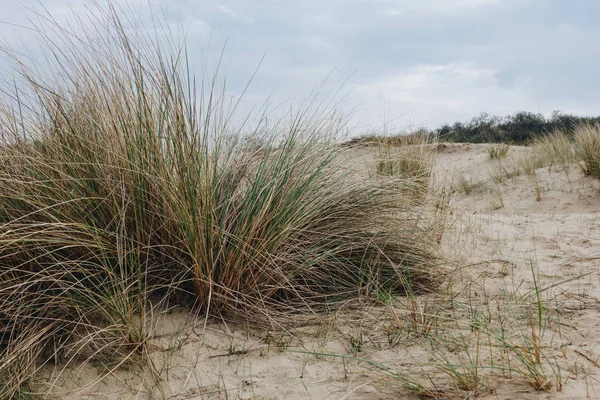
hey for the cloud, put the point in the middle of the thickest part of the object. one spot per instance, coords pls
(229, 12)
(436, 9)
(431, 61)
(434, 94)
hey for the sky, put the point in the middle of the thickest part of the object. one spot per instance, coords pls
(402, 64)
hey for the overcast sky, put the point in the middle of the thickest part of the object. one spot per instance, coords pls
(407, 63)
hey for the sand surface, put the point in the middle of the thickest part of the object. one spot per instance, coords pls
(501, 242)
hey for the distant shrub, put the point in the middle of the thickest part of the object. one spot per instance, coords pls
(520, 128)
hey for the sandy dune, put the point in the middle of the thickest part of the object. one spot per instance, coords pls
(502, 243)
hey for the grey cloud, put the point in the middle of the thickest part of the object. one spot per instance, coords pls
(490, 55)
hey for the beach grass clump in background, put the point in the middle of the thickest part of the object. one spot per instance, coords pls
(417, 137)
(411, 161)
(498, 151)
(587, 139)
(469, 184)
(412, 165)
(123, 190)
(557, 147)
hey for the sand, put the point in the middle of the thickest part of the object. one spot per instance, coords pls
(501, 243)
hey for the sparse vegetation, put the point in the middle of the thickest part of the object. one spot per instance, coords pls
(501, 172)
(478, 340)
(469, 184)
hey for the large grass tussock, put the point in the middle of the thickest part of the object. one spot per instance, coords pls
(122, 188)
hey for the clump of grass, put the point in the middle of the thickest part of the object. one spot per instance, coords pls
(498, 151)
(412, 163)
(587, 139)
(537, 187)
(556, 147)
(465, 184)
(501, 172)
(498, 202)
(418, 137)
(530, 162)
(469, 184)
(123, 189)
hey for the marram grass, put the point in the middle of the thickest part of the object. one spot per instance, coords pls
(587, 140)
(122, 188)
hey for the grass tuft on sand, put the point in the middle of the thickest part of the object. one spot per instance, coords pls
(587, 139)
(125, 188)
(498, 151)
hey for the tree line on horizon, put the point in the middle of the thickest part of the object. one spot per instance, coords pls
(519, 128)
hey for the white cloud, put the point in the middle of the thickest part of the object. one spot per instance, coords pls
(229, 12)
(435, 94)
(411, 10)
